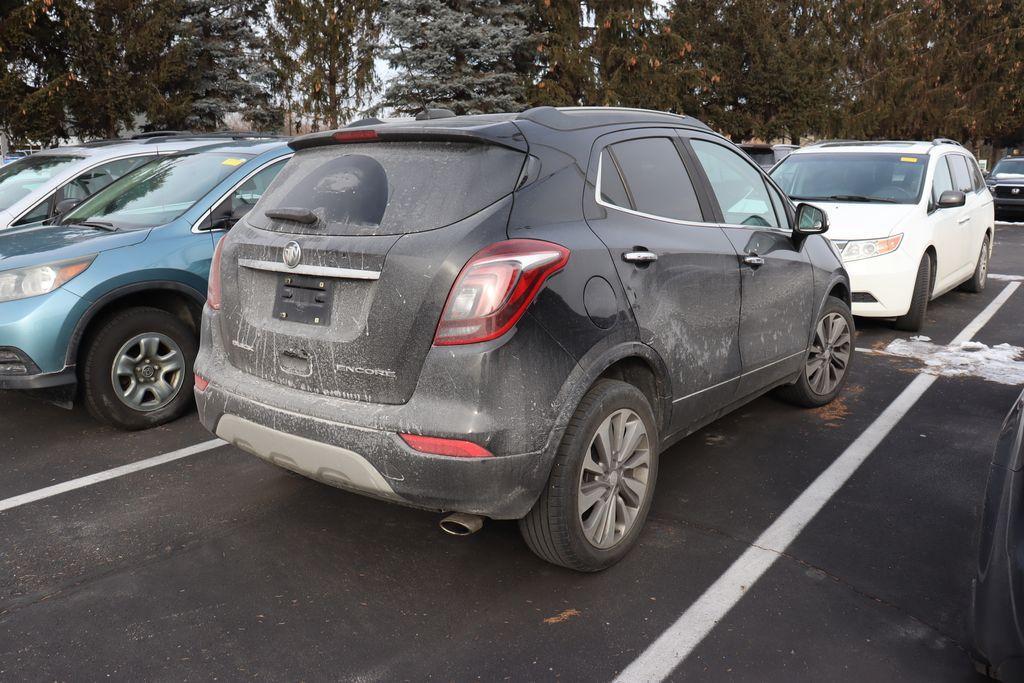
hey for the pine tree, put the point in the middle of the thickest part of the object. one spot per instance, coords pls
(33, 73)
(325, 51)
(456, 54)
(215, 67)
(559, 59)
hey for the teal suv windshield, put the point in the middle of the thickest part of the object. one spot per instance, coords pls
(157, 193)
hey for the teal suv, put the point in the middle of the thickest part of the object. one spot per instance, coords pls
(104, 306)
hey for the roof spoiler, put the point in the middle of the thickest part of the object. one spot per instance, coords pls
(504, 134)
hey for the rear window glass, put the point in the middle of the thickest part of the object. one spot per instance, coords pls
(961, 173)
(656, 179)
(389, 188)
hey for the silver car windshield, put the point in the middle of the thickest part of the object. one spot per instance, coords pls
(157, 193)
(887, 178)
(20, 178)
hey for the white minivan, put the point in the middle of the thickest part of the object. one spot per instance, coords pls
(912, 220)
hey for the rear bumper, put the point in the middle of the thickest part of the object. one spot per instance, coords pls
(889, 279)
(355, 445)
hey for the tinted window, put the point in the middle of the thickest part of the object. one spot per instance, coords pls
(961, 174)
(40, 212)
(242, 199)
(21, 177)
(612, 190)
(656, 179)
(976, 175)
(1009, 167)
(738, 186)
(157, 193)
(390, 188)
(943, 180)
(881, 177)
(95, 179)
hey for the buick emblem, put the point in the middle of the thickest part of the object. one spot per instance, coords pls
(292, 254)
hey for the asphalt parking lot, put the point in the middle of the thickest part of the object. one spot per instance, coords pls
(217, 565)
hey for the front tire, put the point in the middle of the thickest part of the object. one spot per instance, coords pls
(596, 501)
(977, 282)
(913, 319)
(828, 360)
(137, 369)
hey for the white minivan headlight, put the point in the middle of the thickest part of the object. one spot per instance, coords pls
(22, 283)
(856, 250)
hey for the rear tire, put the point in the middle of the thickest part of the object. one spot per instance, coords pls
(556, 529)
(153, 383)
(827, 364)
(976, 284)
(913, 320)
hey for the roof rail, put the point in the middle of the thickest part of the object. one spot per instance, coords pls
(557, 118)
(431, 114)
(158, 134)
(945, 141)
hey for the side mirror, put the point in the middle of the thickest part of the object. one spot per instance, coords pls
(65, 205)
(950, 199)
(226, 221)
(810, 220)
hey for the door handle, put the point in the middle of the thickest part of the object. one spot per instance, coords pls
(640, 256)
(965, 219)
(753, 260)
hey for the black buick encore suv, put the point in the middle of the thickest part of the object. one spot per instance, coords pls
(513, 315)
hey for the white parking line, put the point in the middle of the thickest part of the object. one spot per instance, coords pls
(673, 646)
(105, 475)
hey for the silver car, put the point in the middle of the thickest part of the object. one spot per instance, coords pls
(44, 184)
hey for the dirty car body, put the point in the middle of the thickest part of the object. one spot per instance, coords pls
(324, 353)
(997, 607)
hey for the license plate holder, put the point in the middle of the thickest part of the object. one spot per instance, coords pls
(304, 299)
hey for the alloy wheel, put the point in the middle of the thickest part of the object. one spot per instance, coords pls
(614, 479)
(148, 371)
(830, 354)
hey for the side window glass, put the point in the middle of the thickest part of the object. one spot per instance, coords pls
(39, 213)
(612, 190)
(739, 188)
(943, 180)
(242, 199)
(780, 207)
(961, 175)
(979, 179)
(656, 179)
(95, 179)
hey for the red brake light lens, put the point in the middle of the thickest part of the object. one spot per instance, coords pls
(201, 383)
(355, 135)
(213, 288)
(456, 448)
(495, 288)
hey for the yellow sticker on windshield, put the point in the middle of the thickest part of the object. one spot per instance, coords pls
(909, 160)
(233, 162)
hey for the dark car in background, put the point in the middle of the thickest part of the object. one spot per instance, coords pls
(1006, 182)
(997, 609)
(512, 315)
(765, 155)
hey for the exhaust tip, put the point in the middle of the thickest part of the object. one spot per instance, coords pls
(461, 524)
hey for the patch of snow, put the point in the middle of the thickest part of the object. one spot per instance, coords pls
(1006, 278)
(920, 337)
(1003, 363)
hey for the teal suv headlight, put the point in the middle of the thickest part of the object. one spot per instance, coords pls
(22, 283)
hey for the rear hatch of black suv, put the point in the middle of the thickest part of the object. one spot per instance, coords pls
(334, 283)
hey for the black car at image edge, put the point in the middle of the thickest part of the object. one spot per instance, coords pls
(512, 315)
(997, 607)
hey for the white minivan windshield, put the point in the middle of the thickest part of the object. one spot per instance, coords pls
(889, 178)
